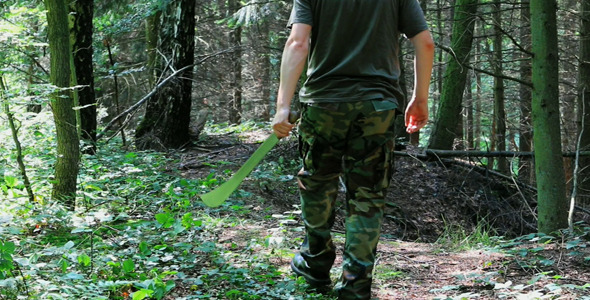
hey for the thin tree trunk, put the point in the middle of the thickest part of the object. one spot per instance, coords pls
(152, 27)
(478, 101)
(439, 59)
(499, 113)
(68, 151)
(551, 197)
(525, 173)
(469, 114)
(265, 65)
(17, 144)
(401, 136)
(107, 44)
(235, 40)
(584, 103)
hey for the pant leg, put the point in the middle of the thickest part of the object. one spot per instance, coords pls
(368, 165)
(322, 139)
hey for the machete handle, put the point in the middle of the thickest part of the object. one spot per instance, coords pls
(293, 116)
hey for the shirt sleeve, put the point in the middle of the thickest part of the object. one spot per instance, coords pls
(411, 18)
(301, 13)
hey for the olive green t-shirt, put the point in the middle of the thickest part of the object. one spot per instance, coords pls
(354, 47)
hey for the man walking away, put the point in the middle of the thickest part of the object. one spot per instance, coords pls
(346, 129)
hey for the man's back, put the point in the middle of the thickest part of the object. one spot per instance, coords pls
(354, 47)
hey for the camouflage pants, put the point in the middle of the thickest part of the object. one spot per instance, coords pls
(355, 142)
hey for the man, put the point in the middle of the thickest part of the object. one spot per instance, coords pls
(346, 129)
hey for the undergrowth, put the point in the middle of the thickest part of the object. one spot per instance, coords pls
(140, 232)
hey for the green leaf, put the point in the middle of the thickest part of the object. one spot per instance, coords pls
(11, 181)
(142, 294)
(68, 245)
(128, 266)
(73, 276)
(547, 262)
(7, 247)
(64, 265)
(187, 220)
(84, 260)
(178, 227)
(81, 229)
(165, 219)
(144, 249)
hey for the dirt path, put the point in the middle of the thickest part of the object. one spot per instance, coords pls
(410, 270)
(428, 201)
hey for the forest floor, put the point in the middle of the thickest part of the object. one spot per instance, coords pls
(451, 231)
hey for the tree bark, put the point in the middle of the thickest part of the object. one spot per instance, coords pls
(478, 100)
(68, 152)
(167, 117)
(551, 197)
(584, 103)
(469, 115)
(444, 131)
(499, 112)
(82, 50)
(235, 41)
(265, 66)
(152, 28)
(525, 173)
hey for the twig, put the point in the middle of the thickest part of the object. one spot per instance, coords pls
(521, 193)
(24, 279)
(570, 218)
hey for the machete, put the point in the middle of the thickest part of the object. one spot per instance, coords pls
(217, 196)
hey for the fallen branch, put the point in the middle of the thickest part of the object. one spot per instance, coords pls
(428, 153)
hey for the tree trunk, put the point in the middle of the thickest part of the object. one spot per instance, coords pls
(167, 117)
(525, 173)
(235, 41)
(477, 99)
(82, 50)
(469, 115)
(68, 152)
(584, 104)
(402, 138)
(551, 199)
(265, 66)
(438, 66)
(152, 27)
(499, 112)
(444, 131)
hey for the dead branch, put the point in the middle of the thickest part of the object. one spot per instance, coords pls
(430, 153)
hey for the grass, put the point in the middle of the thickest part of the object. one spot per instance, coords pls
(456, 238)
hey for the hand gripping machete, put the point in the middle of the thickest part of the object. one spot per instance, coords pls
(217, 196)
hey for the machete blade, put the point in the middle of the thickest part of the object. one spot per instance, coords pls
(217, 196)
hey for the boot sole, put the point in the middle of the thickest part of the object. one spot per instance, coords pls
(310, 279)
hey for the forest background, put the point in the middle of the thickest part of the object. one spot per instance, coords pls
(116, 115)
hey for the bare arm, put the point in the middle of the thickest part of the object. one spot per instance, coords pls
(292, 64)
(417, 110)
